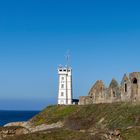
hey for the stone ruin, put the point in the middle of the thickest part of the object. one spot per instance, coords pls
(127, 91)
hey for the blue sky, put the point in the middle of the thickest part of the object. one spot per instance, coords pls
(103, 38)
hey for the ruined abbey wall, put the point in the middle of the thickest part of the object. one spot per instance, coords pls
(127, 91)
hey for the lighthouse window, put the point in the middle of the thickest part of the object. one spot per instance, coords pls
(62, 93)
(62, 78)
(62, 86)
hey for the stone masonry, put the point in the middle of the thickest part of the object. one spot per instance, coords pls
(127, 91)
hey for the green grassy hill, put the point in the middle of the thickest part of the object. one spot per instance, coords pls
(82, 121)
(111, 116)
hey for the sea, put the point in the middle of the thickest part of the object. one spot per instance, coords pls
(15, 116)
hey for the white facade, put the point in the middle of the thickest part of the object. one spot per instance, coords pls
(65, 86)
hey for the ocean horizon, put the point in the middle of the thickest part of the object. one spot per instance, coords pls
(8, 116)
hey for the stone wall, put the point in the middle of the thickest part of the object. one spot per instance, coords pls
(127, 91)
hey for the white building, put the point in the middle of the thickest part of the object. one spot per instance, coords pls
(65, 86)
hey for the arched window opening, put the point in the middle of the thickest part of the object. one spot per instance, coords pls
(135, 81)
(125, 87)
(114, 94)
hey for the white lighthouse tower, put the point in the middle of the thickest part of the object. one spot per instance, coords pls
(65, 86)
(65, 96)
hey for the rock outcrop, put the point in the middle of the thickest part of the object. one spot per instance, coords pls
(10, 131)
(19, 128)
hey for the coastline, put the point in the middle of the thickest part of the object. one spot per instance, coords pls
(7, 116)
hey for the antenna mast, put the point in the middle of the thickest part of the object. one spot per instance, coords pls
(67, 58)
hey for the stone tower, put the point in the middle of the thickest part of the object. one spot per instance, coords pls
(135, 86)
(65, 86)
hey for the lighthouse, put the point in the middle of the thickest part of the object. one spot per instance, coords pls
(65, 96)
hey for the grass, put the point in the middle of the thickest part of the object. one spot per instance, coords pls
(131, 134)
(58, 134)
(53, 114)
(110, 116)
(89, 117)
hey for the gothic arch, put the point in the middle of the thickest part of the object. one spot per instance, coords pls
(134, 81)
(134, 89)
